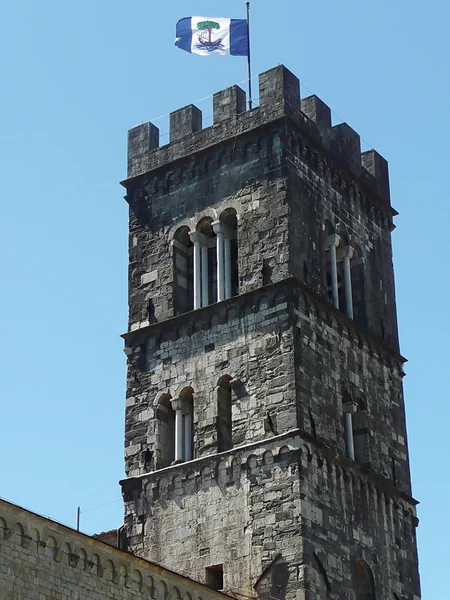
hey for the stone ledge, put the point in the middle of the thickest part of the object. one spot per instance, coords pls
(291, 286)
(132, 486)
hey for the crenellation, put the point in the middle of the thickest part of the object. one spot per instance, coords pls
(316, 110)
(228, 104)
(142, 140)
(377, 166)
(279, 97)
(348, 146)
(184, 122)
(279, 92)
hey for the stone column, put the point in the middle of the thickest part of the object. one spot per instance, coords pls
(197, 269)
(219, 231)
(331, 244)
(349, 409)
(178, 435)
(346, 258)
(227, 266)
(187, 419)
(204, 266)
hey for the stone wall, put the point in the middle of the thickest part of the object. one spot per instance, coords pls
(332, 358)
(287, 517)
(285, 170)
(284, 511)
(43, 560)
(248, 339)
(290, 358)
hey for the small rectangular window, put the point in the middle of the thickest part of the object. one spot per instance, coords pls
(214, 577)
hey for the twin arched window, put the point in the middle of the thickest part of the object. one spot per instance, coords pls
(345, 275)
(175, 424)
(205, 262)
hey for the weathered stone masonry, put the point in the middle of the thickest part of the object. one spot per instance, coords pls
(308, 493)
(41, 559)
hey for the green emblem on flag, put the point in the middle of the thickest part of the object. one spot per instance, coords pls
(205, 36)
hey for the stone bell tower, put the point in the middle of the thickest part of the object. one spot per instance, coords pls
(265, 445)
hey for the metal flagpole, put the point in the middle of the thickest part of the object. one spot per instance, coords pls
(250, 101)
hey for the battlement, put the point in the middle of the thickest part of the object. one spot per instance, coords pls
(279, 98)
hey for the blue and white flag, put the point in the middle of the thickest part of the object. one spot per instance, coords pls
(203, 35)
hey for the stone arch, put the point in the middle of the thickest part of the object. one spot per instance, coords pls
(196, 170)
(51, 546)
(231, 314)
(284, 453)
(364, 583)
(83, 558)
(231, 203)
(67, 551)
(268, 458)
(176, 594)
(279, 298)
(228, 217)
(224, 158)
(163, 590)
(123, 575)
(151, 586)
(165, 425)
(136, 580)
(224, 414)
(183, 270)
(110, 571)
(3, 527)
(36, 537)
(206, 269)
(319, 581)
(357, 268)
(18, 533)
(263, 303)
(252, 463)
(95, 561)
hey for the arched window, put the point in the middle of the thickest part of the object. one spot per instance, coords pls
(364, 582)
(356, 428)
(183, 271)
(358, 286)
(360, 423)
(207, 240)
(330, 243)
(165, 416)
(342, 256)
(184, 411)
(224, 418)
(345, 275)
(231, 275)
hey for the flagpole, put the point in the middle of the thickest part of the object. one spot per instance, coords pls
(250, 101)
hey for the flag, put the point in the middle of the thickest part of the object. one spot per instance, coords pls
(203, 35)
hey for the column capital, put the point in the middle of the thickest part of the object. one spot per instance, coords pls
(332, 240)
(218, 227)
(345, 252)
(196, 236)
(179, 404)
(350, 407)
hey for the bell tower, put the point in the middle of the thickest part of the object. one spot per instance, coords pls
(265, 444)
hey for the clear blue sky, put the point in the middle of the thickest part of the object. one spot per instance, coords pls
(76, 76)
